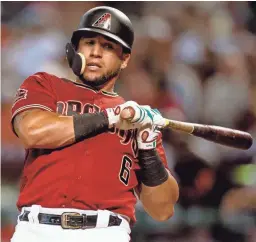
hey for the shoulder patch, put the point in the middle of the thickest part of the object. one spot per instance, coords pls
(20, 94)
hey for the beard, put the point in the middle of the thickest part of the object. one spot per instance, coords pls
(101, 80)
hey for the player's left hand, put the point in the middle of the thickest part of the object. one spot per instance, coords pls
(147, 137)
(157, 118)
(143, 116)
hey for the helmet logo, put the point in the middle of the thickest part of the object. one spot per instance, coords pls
(104, 21)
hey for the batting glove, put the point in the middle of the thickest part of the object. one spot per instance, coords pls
(145, 116)
(155, 116)
(141, 116)
(147, 137)
(113, 115)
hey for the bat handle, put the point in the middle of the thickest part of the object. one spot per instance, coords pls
(180, 126)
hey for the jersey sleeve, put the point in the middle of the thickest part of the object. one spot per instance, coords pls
(35, 92)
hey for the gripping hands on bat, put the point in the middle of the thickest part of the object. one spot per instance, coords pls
(130, 115)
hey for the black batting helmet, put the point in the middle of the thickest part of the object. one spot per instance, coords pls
(109, 22)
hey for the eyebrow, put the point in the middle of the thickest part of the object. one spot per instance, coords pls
(91, 36)
(111, 40)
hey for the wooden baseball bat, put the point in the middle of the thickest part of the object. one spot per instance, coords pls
(225, 136)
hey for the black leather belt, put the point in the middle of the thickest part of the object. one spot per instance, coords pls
(71, 220)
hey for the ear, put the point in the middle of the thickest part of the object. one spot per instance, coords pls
(125, 60)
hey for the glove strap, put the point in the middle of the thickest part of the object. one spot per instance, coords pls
(147, 146)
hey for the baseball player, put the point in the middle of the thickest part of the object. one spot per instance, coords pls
(89, 154)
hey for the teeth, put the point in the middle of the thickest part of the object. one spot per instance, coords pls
(93, 67)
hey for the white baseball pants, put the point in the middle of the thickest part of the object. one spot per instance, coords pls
(32, 231)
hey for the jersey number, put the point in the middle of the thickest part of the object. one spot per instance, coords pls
(124, 173)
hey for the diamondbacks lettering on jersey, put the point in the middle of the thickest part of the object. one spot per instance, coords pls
(72, 107)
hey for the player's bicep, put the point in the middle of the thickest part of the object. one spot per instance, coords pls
(43, 129)
(28, 125)
(18, 122)
(22, 120)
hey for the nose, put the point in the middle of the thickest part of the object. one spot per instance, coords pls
(96, 50)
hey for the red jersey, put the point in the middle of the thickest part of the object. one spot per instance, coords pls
(96, 173)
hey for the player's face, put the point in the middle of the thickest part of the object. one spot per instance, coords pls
(104, 58)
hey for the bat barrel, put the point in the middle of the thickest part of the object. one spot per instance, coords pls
(224, 136)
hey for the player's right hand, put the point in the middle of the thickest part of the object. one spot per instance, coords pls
(137, 119)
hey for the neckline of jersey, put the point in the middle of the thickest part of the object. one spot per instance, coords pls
(112, 94)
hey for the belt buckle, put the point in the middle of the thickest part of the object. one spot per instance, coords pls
(65, 219)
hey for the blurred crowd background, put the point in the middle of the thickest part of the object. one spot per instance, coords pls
(195, 62)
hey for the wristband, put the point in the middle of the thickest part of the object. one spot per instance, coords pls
(153, 172)
(89, 124)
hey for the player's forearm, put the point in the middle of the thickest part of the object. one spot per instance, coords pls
(159, 189)
(159, 201)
